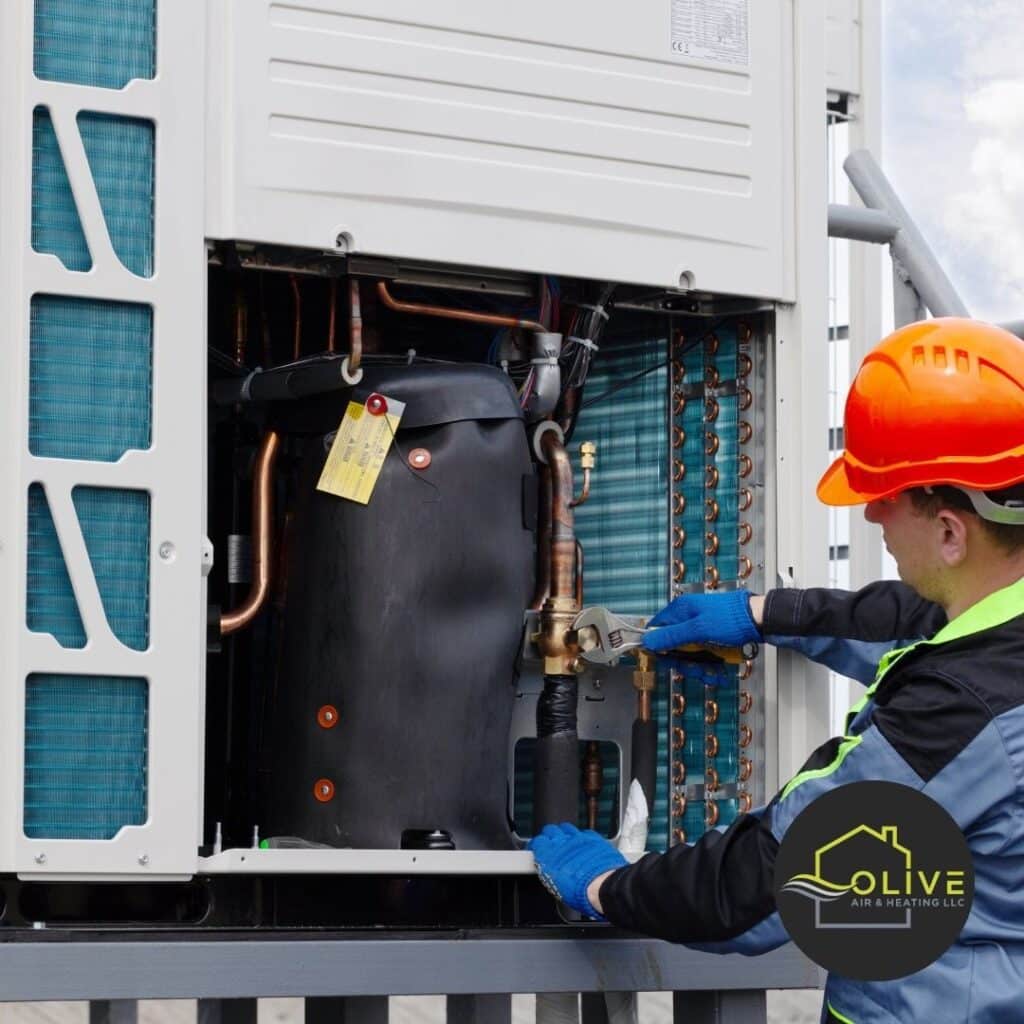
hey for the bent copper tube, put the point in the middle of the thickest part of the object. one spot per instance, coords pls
(711, 816)
(355, 326)
(585, 493)
(331, 324)
(262, 546)
(563, 536)
(419, 309)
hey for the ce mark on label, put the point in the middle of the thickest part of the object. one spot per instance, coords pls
(678, 47)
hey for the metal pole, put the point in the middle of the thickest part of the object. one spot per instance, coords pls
(347, 1010)
(908, 244)
(489, 1009)
(226, 1011)
(861, 224)
(744, 1006)
(113, 1011)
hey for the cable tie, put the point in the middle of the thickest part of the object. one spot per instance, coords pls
(544, 361)
(412, 355)
(585, 342)
(244, 394)
(599, 310)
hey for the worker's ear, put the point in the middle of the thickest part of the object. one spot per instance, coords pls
(951, 526)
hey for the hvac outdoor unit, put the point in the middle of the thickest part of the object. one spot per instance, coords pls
(194, 196)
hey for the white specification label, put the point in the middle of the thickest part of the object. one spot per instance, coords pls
(712, 30)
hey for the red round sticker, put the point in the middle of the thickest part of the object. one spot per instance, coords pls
(376, 405)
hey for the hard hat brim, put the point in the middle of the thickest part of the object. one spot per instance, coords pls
(834, 488)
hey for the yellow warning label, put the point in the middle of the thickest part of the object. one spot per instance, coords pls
(358, 451)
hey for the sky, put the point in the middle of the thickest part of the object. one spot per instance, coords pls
(953, 144)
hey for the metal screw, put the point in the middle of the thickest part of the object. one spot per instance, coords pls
(40, 858)
(341, 242)
(143, 859)
(166, 551)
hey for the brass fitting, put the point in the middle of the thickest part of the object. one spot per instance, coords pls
(644, 681)
(588, 451)
(557, 641)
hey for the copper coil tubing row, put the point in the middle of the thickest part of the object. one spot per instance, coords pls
(711, 543)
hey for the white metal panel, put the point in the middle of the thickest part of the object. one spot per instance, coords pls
(801, 405)
(567, 138)
(843, 42)
(172, 470)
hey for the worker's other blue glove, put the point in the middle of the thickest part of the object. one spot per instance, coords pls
(568, 860)
(722, 619)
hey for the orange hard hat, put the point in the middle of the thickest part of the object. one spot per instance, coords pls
(936, 402)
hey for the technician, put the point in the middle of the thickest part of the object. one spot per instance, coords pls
(934, 433)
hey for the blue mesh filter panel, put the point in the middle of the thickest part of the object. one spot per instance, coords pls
(115, 526)
(121, 154)
(95, 42)
(56, 227)
(90, 378)
(50, 605)
(85, 756)
(624, 526)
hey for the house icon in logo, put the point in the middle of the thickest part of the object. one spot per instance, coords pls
(874, 865)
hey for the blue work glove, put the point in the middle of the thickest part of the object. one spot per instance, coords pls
(722, 619)
(568, 860)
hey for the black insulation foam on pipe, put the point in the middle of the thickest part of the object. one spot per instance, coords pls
(557, 768)
(556, 780)
(645, 757)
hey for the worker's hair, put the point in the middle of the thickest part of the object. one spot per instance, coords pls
(1009, 538)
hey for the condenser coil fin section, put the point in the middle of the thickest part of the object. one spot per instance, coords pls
(103, 43)
(624, 526)
(115, 527)
(85, 756)
(90, 378)
(56, 226)
(120, 151)
(50, 605)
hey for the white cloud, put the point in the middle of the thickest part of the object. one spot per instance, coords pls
(955, 117)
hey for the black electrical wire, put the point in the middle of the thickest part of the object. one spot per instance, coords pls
(650, 369)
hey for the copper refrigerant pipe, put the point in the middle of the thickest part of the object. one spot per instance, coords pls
(331, 324)
(418, 309)
(355, 327)
(262, 527)
(563, 536)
